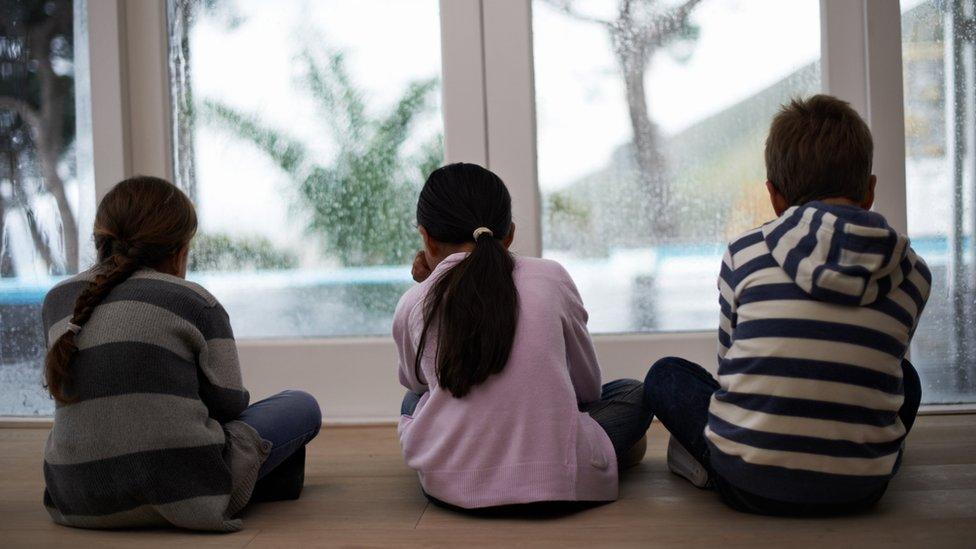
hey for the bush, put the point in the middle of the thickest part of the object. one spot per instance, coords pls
(222, 252)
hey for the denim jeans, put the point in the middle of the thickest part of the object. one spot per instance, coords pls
(679, 391)
(409, 403)
(288, 420)
(621, 412)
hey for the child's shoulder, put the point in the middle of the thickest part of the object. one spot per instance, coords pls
(411, 299)
(176, 285)
(60, 299)
(744, 240)
(528, 266)
(748, 243)
(541, 281)
(73, 283)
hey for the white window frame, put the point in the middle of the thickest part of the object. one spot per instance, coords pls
(489, 118)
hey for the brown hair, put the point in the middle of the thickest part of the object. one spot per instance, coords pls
(141, 222)
(818, 148)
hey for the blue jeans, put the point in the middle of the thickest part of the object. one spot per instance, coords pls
(679, 392)
(288, 420)
(621, 411)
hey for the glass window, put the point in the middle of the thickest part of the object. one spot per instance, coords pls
(303, 132)
(46, 190)
(939, 129)
(651, 120)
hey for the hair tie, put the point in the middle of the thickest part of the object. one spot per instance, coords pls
(480, 231)
(74, 328)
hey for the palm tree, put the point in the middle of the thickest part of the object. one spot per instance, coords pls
(362, 202)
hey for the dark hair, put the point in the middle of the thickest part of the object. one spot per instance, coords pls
(818, 148)
(141, 222)
(474, 305)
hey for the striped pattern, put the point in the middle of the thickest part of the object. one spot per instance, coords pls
(151, 438)
(818, 310)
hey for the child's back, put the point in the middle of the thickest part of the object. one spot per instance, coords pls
(518, 437)
(505, 403)
(818, 310)
(818, 307)
(142, 440)
(152, 424)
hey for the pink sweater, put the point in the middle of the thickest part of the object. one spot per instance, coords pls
(519, 437)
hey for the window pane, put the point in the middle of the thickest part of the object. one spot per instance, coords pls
(939, 131)
(46, 190)
(651, 155)
(303, 132)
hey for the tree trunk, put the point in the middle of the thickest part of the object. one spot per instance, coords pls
(48, 134)
(184, 122)
(37, 236)
(651, 165)
(6, 261)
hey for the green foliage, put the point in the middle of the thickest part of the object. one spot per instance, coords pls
(362, 202)
(220, 252)
(565, 208)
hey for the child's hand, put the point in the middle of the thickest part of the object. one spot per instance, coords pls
(420, 270)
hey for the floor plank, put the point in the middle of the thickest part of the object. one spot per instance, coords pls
(358, 492)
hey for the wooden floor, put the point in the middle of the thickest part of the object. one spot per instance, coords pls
(358, 492)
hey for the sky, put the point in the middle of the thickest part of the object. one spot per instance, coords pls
(745, 45)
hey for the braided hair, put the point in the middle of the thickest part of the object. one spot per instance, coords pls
(142, 222)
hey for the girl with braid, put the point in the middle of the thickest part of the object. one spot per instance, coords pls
(152, 423)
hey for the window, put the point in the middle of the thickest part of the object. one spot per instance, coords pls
(651, 123)
(938, 72)
(303, 132)
(45, 184)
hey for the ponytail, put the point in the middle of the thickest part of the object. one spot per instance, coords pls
(140, 223)
(56, 372)
(473, 305)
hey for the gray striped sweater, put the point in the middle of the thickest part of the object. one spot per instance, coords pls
(151, 438)
(818, 310)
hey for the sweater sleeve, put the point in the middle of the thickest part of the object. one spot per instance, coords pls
(221, 386)
(727, 305)
(405, 346)
(584, 370)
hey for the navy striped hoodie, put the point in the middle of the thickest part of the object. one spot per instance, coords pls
(818, 310)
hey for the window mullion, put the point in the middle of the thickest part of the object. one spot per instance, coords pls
(861, 53)
(462, 65)
(887, 108)
(105, 80)
(147, 83)
(510, 98)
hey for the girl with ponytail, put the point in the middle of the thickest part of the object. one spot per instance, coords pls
(504, 402)
(152, 423)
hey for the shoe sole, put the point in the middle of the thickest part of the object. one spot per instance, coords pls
(681, 463)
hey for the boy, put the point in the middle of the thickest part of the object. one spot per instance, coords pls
(814, 397)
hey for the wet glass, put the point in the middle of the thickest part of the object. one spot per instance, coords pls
(651, 119)
(46, 186)
(939, 68)
(303, 132)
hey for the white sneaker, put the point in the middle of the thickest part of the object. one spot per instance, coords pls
(681, 463)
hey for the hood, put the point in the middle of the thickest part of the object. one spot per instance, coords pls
(838, 254)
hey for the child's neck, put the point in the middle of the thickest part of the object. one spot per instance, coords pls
(841, 201)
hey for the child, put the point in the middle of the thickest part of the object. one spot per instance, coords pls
(505, 403)
(815, 396)
(152, 424)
